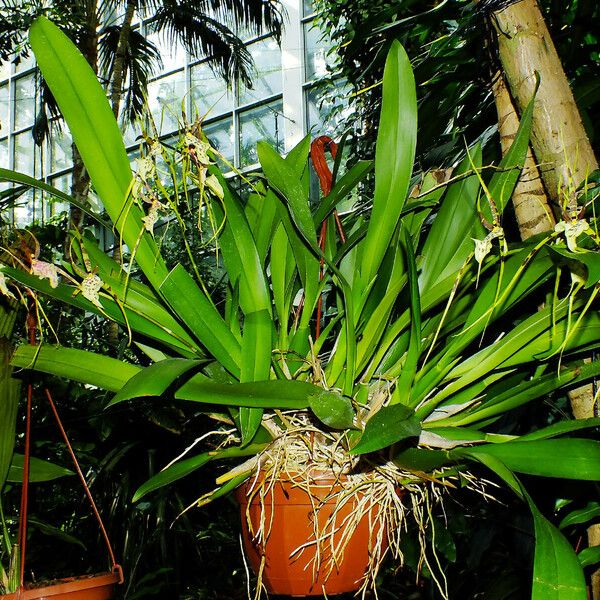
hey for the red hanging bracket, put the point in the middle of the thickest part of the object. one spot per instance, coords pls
(116, 568)
(317, 154)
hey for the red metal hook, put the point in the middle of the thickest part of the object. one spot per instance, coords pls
(317, 154)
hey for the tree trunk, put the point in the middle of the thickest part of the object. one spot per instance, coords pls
(88, 46)
(118, 74)
(532, 209)
(558, 137)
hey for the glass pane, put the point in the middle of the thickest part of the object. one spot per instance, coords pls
(165, 171)
(4, 70)
(221, 137)
(327, 112)
(25, 62)
(4, 164)
(24, 102)
(4, 104)
(307, 7)
(60, 150)
(25, 153)
(315, 49)
(245, 33)
(62, 183)
(38, 206)
(262, 123)
(172, 54)
(23, 213)
(267, 75)
(165, 97)
(131, 132)
(210, 96)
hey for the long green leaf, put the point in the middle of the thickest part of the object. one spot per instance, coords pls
(198, 312)
(23, 179)
(84, 105)
(256, 365)
(449, 241)
(342, 188)
(583, 515)
(590, 260)
(156, 379)
(526, 391)
(283, 274)
(185, 467)
(284, 394)
(135, 318)
(39, 470)
(557, 573)
(333, 410)
(261, 213)
(9, 395)
(388, 425)
(282, 178)
(55, 532)
(560, 428)
(240, 254)
(421, 459)
(589, 556)
(394, 158)
(404, 384)
(564, 458)
(78, 365)
(509, 170)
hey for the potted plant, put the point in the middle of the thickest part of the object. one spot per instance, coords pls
(432, 332)
(24, 469)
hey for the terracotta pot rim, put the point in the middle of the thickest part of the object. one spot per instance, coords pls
(313, 476)
(285, 489)
(67, 585)
(317, 478)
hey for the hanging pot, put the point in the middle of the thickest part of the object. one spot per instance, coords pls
(86, 587)
(291, 515)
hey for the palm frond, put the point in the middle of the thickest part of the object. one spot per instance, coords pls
(47, 109)
(256, 16)
(142, 60)
(204, 36)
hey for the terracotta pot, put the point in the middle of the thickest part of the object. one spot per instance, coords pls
(290, 512)
(87, 587)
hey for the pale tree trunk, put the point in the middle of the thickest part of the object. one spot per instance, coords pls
(532, 209)
(558, 137)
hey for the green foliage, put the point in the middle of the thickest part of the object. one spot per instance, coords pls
(451, 46)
